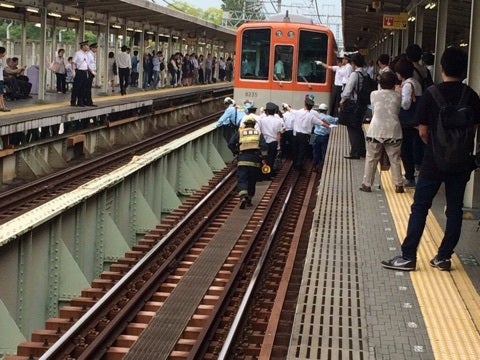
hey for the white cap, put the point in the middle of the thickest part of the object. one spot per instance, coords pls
(228, 100)
(285, 105)
(322, 107)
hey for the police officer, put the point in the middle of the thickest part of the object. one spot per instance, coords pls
(230, 120)
(247, 142)
(80, 82)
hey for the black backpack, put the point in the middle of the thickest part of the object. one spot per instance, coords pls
(452, 135)
(426, 82)
(162, 66)
(364, 88)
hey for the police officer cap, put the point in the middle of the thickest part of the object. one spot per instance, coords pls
(271, 106)
(249, 120)
(228, 100)
(93, 45)
(323, 107)
(83, 43)
(309, 101)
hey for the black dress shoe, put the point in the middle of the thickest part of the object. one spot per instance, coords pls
(351, 157)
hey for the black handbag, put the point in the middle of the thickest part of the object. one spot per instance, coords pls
(348, 113)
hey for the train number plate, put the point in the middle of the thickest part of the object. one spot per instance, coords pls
(251, 94)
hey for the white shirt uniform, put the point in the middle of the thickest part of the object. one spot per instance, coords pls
(270, 126)
(305, 120)
(81, 59)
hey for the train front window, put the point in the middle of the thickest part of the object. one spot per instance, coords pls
(255, 54)
(313, 47)
(282, 69)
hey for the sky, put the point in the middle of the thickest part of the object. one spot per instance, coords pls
(205, 4)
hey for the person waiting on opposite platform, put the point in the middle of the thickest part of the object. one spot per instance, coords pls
(384, 133)
(80, 81)
(2, 100)
(322, 134)
(69, 73)
(16, 80)
(92, 72)
(124, 64)
(60, 72)
(230, 120)
(246, 144)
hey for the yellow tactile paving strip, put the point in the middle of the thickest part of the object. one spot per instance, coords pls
(448, 300)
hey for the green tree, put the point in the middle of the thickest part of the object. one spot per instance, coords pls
(213, 15)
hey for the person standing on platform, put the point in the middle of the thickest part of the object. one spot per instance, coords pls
(92, 72)
(246, 144)
(384, 133)
(453, 63)
(2, 90)
(355, 130)
(60, 73)
(335, 97)
(134, 74)
(80, 82)
(124, 64)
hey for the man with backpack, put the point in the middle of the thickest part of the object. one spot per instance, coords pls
(420, 72)
(448, 116)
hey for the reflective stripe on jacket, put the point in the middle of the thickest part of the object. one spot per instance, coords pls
(249, 139)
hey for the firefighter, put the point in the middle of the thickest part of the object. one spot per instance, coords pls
(246, 144)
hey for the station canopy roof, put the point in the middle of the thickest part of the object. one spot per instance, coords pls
(136, 15)
(363, 21)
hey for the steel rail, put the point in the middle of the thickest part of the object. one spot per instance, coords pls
(58, 347)
(234, 329)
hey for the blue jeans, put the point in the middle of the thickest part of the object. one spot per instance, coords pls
(425, 191)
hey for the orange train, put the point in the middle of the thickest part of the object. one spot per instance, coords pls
(279, 60)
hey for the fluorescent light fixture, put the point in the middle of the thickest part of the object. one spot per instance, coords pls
(73, 18)
(411, 18)
(149, 32)
(89, 21)
(54, 14)
(463, 44)
(32, 9)
(116, 26)
(431, 5)
(129, 29)
(138, 30)
(8, 6)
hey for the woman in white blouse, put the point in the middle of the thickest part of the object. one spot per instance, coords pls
(384, 133)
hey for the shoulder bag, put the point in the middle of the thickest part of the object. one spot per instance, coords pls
(348, 113)
(408, 117)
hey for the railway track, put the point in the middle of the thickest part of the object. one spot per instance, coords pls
(163, 280)
(23, 198)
